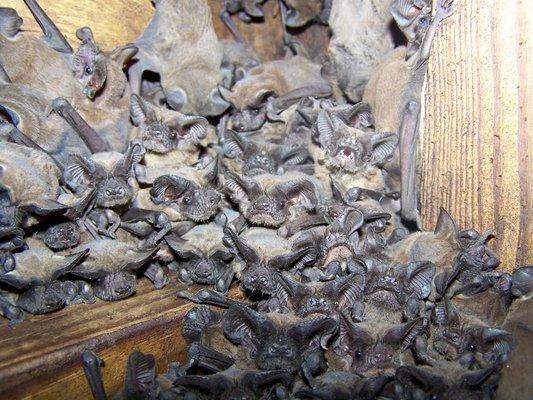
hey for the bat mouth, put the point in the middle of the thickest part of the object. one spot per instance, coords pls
(264, 218)
(156, 145)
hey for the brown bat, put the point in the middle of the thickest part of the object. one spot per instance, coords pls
(300, 13)
(361, 39)
(180, 45)
(396, 102)
(97, 86)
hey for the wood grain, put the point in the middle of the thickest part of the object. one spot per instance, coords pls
(40, 357)
(476, 151)
(116, 22)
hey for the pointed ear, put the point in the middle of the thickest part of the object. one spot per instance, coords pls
(133, 155)
(287, 261)
(315, 327)
(211, 169)
(383, 147)
(85, 34)
(326, 127)
(10, 21)
(353, 221)
(69, 262)
(446, 226)
(81, 171)
(298, 191)
(123, 54)
(176, 243)
(419, 278)
(242, 188)
(142, 258)
(141, 112)
(293, 288)
(401, 334)
(239, 246)
(348, 289)
(350, 333)
(245, 327)
(360, 116)
(234, 144)
(169, 188)
(522, 279)
(194, 127)
(140, 374)
(418, 376)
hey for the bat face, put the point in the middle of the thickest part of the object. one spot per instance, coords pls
(251, 8)
(190, 199)
(89, 64)
(275, 344)
(115, 286)
(113, 192)
(300, 12)
(367, 348)
(248, 119)
(164, 130)
(350, 149)
(204, 269)
(62, 236)
(43, 299)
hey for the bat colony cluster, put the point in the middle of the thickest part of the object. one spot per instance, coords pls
(182, 156)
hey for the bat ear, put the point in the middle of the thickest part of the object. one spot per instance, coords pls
(140, 111)
(234, 144)
(293, 288)
(239, 245)
(142, 258)
(80, 171)
(372, 387)
(194, 127)
(326, 127)
(402, 333)
(169, 188)
(140, 375)
(298, 191)
(122, 55)
(133, 155)
(242, 188)
(10, 21)
(353, 221)
(350, 333)
(245, 327)
(321, 328)
(420, 278)
(446, 226)
(383, 147)
(417, 376)
(360, 116)
(349, 288)
(85, 34)
(287, 261)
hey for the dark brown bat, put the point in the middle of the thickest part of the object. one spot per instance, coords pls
(113, 184)
(264, 341)
(402, 94)
(190, 71)
(372, 348)
(272, 200)
(251, 157)
(9, 308)
(235, 383)
(340, 385)
(445, 382)
(260, 255)
(328, 298)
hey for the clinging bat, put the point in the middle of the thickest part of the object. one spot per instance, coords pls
(178, 30)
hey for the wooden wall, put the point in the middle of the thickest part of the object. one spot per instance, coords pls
(476, 156)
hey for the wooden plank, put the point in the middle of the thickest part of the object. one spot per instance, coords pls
(475, 157)
(116, 22)
(40, 357)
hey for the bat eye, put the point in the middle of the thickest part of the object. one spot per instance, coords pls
(88, 69)
(358, 354)
(186, 200)
(434, 397)
(423, 21)
(472, 347)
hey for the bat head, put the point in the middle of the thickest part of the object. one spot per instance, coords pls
(115, 286)
(62, 236)
(195, 202)
(89, 64)
(164, 131)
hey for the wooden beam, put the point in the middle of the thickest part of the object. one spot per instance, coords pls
(41, 356)
(476, 155)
